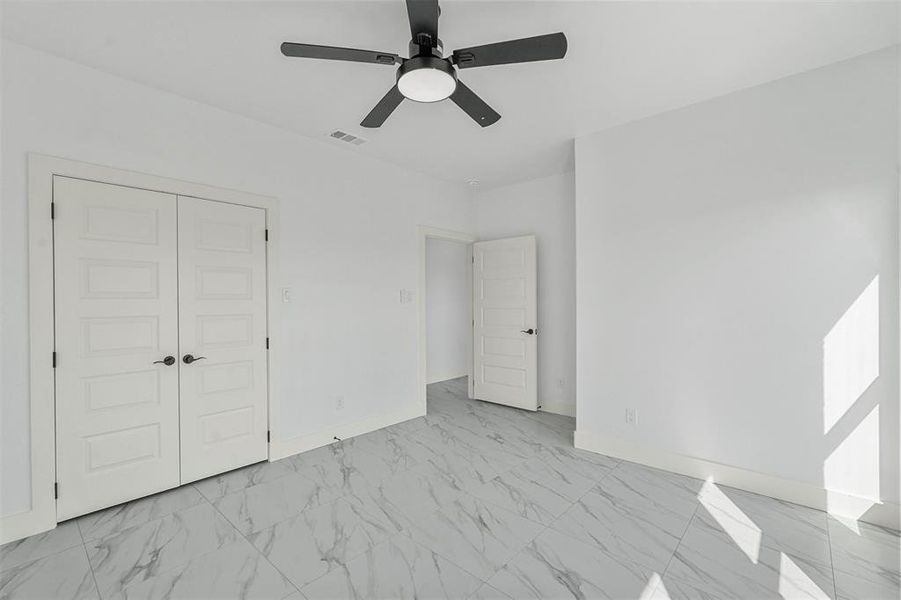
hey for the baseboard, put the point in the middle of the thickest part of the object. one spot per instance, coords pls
(288, 447)
(566, 409)
(444, 377)
(845, 506)
(19, 525)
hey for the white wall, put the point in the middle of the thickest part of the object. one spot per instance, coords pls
(448, 300)
(348, 237)
(727, 255)
(544, 207)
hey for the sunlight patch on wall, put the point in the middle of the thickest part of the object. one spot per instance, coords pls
(852, 470)
(795, 583)
(743, 531)
(851, 355)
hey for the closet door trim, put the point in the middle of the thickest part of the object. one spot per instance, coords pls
(41, 515)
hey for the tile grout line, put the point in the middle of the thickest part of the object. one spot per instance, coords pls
(436, 553)
(681, 537)
(341, 496)
(489, 503)
(831, 556)
(536, 456)
(546, 527)
(160, 518)
(391, 538)
(249, 543)
(4, 567)
(475, 451)
(84, 547)
(127, 528)
(193, 558)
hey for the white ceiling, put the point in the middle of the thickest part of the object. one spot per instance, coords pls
(626, 60)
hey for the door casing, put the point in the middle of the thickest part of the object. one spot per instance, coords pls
(41, 515)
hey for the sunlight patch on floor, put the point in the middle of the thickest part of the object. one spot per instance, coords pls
(743, 531)
(794, 582)
(654, 590)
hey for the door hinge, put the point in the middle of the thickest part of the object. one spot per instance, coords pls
(54, 359)
(53, 210)
(269, 436)
(267, 343)
(266, 234)
(56, 490)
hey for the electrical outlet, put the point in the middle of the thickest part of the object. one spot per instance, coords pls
(339, 403)
(406, 296)
(632, 416)
(561, 383)
(287, 295)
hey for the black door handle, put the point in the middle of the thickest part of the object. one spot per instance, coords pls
(530, 331)
(188, 359)
(168, 361)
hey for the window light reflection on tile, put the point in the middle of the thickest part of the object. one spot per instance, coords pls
(795, 583)
(743, 531)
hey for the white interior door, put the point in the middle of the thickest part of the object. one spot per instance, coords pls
(116, 318)
(222, 324)
(505, 315)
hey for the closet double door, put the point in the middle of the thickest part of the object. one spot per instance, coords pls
(160, 338)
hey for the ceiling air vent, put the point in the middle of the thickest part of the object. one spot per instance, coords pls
(346, 137)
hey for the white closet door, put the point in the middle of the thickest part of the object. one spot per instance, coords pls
(222, 324)
(116, 316)
(505, 314)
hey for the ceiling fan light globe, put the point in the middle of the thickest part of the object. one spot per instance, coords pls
(427, 85)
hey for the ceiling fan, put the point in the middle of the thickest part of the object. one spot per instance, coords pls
(428, 76)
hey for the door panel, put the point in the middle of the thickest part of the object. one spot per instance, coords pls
(116, 313)
(222, 318)
(505, 302)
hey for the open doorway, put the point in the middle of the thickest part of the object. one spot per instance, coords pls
(492, 332)
(445, 311)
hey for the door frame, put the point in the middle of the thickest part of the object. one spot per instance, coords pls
(41, 171)
(424, 234)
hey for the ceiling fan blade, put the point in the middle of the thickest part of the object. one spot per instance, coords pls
(383, 109)
(474, 106)
(423, 18)
(542, 47)
(334, 53)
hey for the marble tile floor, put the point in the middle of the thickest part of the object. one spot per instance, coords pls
(474, 500)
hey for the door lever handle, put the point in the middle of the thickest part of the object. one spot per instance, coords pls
(168, 361)
(188, 359)
(530, 331)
